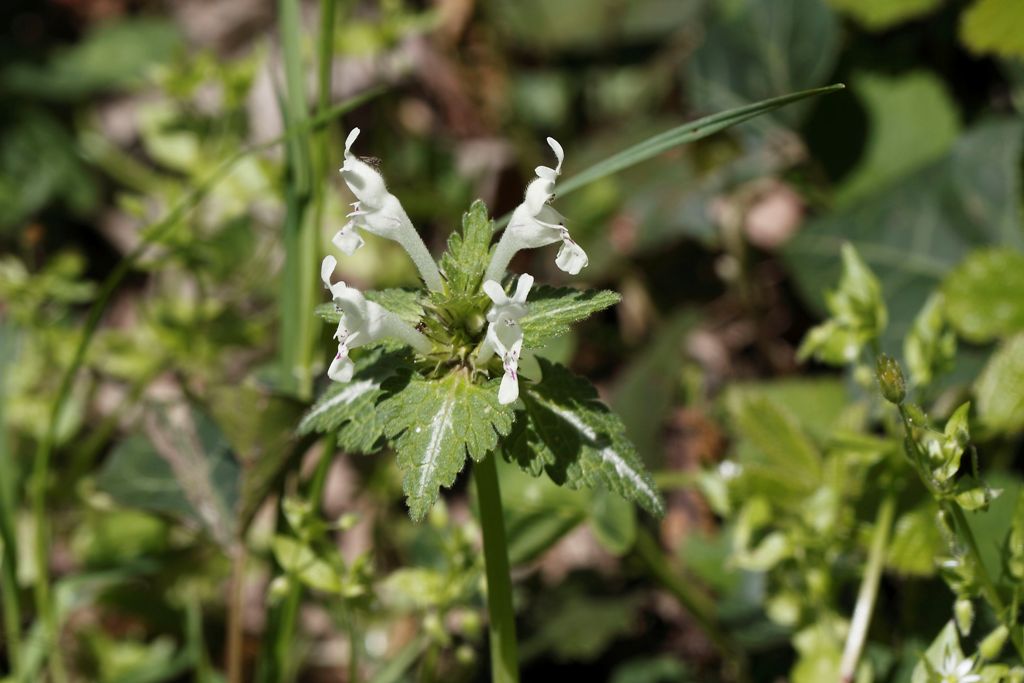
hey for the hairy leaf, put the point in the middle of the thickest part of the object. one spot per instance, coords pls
(568, 433)
(464, 263)
(434, 424)
(552, 311)
(351, 409)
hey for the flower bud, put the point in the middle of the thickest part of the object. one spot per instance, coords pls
(890, 379)
(992, 645)
(963, 610)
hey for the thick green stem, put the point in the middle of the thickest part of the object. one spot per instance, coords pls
(697, 603)
(504, 650)
(868, 593)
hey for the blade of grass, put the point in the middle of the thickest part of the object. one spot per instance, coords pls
(9, 559)
(44, 449)
(298, 293)
(680, 135)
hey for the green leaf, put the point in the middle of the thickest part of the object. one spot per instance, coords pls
(913, 121)
(930, 347)
(916, 542)
(553, 311)
(613, 521)
(300, 561)
(407, 304)
(877, 15)
(113, 55)
(913, 231)
(993, 27)
(568, 433)
(434, 424)
(985, 294)
(1000, 388)
(466, 260)
(754, 49)
(775, 451)
(351, 409)
(191, 474)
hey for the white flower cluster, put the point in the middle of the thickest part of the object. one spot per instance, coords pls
(534, 223)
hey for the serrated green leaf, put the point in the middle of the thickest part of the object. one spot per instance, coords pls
(985, 294)
(351, 409)
(434, 424)
(568, 433)
(552, 311)
(994, 27)
(1000, 388)
(916, 542)
(464, 263)
(407, 304)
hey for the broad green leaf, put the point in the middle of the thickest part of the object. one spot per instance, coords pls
(993, 27)
(912, 232)
(985, 295)
(754, 49)
(594, 623)
(777, 451)
(1000, 388)
(405, 303)
(613, 521)
(818, 404)
(568, 433)
(350, 409)
(433, 425)
(299, 560)
(190, 473)
(912, 121)
(878, 15)
(916, 542)
(552, 311)
(464, 263)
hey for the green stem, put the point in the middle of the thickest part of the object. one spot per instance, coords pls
(504, 650)
(868, 593)
(697, 603)
(8, 505)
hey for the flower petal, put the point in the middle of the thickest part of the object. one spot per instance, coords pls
(342, 368)
(559, 153)
(327, 267)
(349, 140)
(571, 258)
(348, 239)
(495, 292)
(508, 392)
(523, 288)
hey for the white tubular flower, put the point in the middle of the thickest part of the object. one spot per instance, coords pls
(378, 211)
(362, 322)
(535, 223)
(504, 336)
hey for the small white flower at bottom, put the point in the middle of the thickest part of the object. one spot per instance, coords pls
(509, 389)
(957, 670)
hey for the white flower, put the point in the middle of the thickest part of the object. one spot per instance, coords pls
(504, 336)
(956, 669)
(379, 212)
(509, 389)
(535, 223)
(362, 322)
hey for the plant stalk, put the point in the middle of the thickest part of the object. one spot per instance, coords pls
(868, 593)
(502, 627)
(234, 644)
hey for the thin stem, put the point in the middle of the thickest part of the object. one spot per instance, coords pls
(868, 593)
(697, 603)
(234, 645)
(502, 628)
